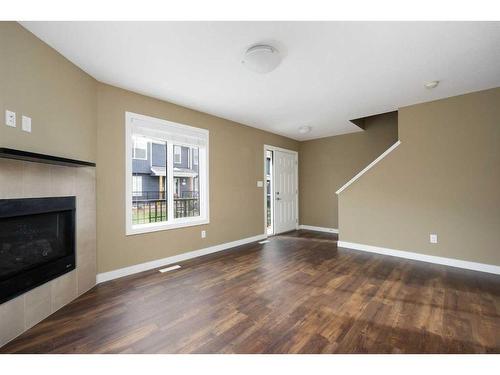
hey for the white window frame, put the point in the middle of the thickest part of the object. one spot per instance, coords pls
(177, 147)
(203, 173)
(137, 140)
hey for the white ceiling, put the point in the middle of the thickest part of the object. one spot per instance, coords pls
(331, 72)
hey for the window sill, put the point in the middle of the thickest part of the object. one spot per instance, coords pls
(156, 227)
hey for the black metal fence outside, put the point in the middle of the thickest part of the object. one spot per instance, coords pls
(151, 206)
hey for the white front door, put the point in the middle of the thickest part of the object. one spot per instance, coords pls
(285, 191)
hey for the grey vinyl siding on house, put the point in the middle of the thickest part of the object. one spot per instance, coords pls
(156, 157)
(142, 166)
(184, 158)
(150, 184)
(158, 154)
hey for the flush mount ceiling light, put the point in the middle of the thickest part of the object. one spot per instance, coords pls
(304, 129)
(261, 58)
(432, 84)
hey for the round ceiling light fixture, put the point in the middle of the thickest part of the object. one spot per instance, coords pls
(304, 129)
(431, 85)
(261, 58)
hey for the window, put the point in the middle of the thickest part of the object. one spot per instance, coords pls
(136, 186)
(177, 154)
(187, 190)
(165, 194)
(140, 148)
(195, 156)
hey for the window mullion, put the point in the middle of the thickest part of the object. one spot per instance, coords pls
(170, 181)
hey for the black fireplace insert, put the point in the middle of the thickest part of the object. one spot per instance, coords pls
(37, 242)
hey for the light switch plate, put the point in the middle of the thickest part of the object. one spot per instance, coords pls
(26, 124)
(10, 118)
(260, 184)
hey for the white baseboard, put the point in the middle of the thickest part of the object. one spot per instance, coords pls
(489, 268)
(106, 276)
(319, 229)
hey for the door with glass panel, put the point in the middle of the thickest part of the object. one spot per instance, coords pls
(285, 191)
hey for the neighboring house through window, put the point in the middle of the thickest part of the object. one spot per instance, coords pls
(140, 148)
(177, 154)
(136, 186)
(195, 156)
(168, 188)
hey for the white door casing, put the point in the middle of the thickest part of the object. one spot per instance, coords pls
(285, 191)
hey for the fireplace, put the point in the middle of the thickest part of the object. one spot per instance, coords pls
(37, 242)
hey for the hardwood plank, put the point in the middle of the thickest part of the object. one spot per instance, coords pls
(298, 293)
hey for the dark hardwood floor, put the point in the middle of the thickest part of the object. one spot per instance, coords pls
(296, 294)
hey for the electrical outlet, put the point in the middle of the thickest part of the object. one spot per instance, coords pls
(260, 184)
(203, 233)
(433, 238)
(10, 118)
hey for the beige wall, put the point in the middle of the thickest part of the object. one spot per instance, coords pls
(236, 164)
(67, 106)
(444, 178)
(448, 163)
(60, 98)
(328, 163)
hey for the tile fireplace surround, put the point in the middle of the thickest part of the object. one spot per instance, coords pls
(21, 179)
